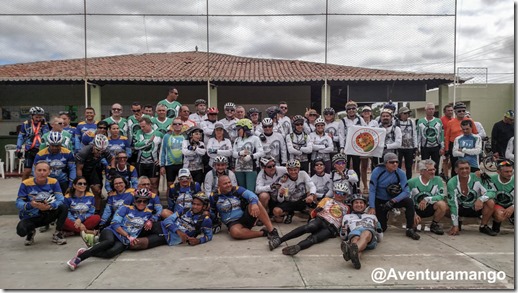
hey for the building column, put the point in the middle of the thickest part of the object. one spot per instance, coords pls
(444, 97)
(95, 100)
(213, 96)
(326, 99)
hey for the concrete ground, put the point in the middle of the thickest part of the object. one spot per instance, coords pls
(480, 261)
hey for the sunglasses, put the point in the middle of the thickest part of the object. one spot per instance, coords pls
(340, 163)
(177, 123)
(340, 193)
(268, 126)
(122, 158)
(460, 111)
(136, 111)
(116, 109)
(328, 113)
(393, 162)
(142, 201)
(270, 166)
(81, 183)
(230, 110)
(313, 114)
(319, 164)
(350, 109)
(298, 124)
(174, 93)
(284, 107)
(102, 128)
(145, 184)
(63, 113)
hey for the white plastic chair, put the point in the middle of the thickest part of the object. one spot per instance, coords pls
(10, 156)
(2, 169)
(20, 165)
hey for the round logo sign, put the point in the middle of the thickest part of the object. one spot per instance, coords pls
(365, 140)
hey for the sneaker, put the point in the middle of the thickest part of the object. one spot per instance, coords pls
(486, 230)
(87, 238)
(72, 263)
(355, 257)
(396, 212)
(460, 226)
(496, 226)
(344, 246)
(29, 239)
(291, 250)
(96, 239)
(80, 251)
(436, 228)
(59, 238)
(274, 243)
(288, 219)
(44, 228)
(412, 234)
(273, 234)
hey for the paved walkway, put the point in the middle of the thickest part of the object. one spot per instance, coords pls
(224, 263)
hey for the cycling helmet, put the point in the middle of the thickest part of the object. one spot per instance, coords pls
(202, 197)
(192, 130)
(267, 122)
(45, 197)
(55, 138)
(199, 101)
(36, 111)
(387, 110)
(297, 118)
(394, 189)
(272, 111)
(212, 110)
(245, 123)
(357, 196)
(329, 111)
(509, 114)
(253, 111)
(293, 164)
(265, 160)
(320, 121)
(221, 159)
(459, 105)
(390, 106)
(142, 193)
(230, 105)
(339, 157)
(184, 172)
(101, 141)
(342, 187)
(219, 125)
(351, 104)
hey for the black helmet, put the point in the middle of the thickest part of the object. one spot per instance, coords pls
(394, 189)
(192, 130)
(273, 111)
(202, 197)
(358, 196)
(199, 101)
(329, 110)
(253, 111)
(339, 157)
(459, 105)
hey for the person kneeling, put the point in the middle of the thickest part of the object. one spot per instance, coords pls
(325, 222)
(360, 231)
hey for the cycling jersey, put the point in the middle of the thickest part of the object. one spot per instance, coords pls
(80, 207)
(62, 164)
(131, 220)
(29, 189)
(431, 192)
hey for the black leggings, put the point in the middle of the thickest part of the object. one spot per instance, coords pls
(154, 237)
(27, 225)
(382, 215)
(408, 155)
(319, 229)
(108, 246)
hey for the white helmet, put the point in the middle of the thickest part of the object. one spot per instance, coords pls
(220, 159)
(101, 141)
(36, 111)
(267, 121)
(55, 138)
(265, 160)
(320, 121)
(342, 187)
(230, 105)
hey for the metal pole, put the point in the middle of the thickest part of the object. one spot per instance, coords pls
(455, 56)
(85, 60)
(325, 58)
(208, 58)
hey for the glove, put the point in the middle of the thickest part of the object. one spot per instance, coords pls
(484, 176)
(275, 186)
(247, 158)
(388, 205)
(262, 137)
(191, 148)
(19, 154)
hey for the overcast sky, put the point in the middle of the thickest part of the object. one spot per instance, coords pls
(373, 34)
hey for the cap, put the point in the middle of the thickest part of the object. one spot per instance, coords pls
(184, 172)
(366, 108)
(404, 110)
(219, 125)
(386, 110)
(312, 112)
(390, 157)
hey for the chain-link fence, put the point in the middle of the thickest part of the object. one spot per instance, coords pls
(386, 34)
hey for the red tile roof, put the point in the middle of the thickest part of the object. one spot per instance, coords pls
(192, 67)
